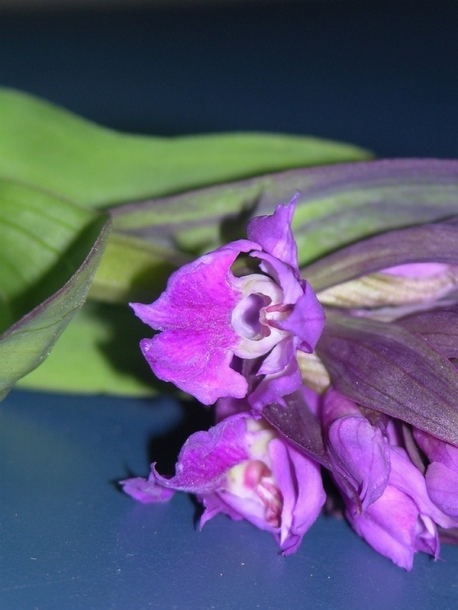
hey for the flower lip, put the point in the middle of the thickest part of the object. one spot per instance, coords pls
(246, 317)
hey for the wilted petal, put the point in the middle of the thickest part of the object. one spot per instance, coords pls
(146, 490)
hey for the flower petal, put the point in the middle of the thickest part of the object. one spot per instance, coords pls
(306, 321)
(146, 490)
(196, 348)
(207, 456)
(358, 451)
(302, 490)
(275, 235)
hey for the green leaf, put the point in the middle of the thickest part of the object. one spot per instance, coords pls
(28, 342)
(133, 269)
(338, 205)
(53, 149)
(98, 353)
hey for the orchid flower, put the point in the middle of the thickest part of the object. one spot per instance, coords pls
(294, 393)
(386, 496)
(442, 472)
(241, 467)
(403, 519)
(211, 320)
(358, 450)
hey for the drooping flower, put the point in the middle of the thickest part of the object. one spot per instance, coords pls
(403, 519)
(209, 318)
(357, 449)
(442, 472)
(241, 467)
(385, 494)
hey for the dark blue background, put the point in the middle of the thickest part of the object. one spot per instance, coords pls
(380, 74)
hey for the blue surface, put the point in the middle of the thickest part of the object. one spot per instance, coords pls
(381, 74)
(71, 540)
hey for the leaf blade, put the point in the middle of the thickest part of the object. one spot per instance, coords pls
(50, 148)
(388, 369)
(28, 342)
(338, 204)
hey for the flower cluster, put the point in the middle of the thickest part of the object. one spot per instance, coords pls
(365, 391)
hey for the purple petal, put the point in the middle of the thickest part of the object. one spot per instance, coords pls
(207, 456)
(146, 490)
(391, 526)
(301, 487)
(442, 472)
(418, 270)
(437, 450)
(442, 485)
(285, 276)
(275, 235)
(195, 349)
(215, 504)
(306, 321)
(358, 451)
(273, 388)
(405, 477)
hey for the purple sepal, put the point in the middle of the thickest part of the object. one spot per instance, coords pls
(274, 234)
(358, 451)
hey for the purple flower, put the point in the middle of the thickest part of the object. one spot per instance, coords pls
(243, 468)
(403, 519)
(442, 472)
(209, 318)
(358, 451)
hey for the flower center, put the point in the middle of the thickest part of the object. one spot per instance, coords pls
(256, 315)
(253, 480)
